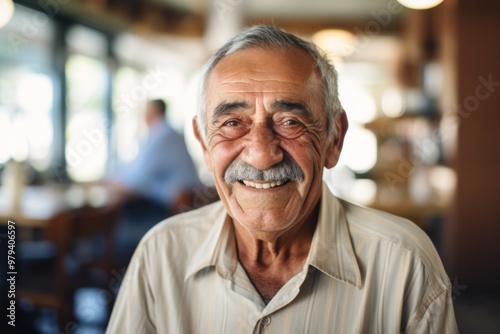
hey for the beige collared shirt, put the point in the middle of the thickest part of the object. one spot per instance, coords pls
(367, 272)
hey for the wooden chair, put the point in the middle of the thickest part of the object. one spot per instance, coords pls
(54, 286)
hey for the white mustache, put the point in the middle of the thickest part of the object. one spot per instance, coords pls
(285, 170)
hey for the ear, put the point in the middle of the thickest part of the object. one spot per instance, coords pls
(335, 146)
(201, 139)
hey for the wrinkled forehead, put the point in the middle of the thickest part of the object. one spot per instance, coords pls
(258, 68)
(285, 59)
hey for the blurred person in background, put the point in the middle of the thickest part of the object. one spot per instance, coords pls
(150, 185)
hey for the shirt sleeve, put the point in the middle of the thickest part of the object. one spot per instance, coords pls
(435, 314)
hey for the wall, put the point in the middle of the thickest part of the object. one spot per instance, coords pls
(473, 232)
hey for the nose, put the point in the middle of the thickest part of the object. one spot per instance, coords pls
(262, 147)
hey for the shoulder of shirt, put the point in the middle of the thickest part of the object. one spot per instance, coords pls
(382, 223)
(379, 226)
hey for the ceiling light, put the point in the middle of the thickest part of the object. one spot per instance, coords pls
(6, 11)
(420, 4)
(336, 42)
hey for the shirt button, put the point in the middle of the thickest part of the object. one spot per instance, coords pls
(266, 321)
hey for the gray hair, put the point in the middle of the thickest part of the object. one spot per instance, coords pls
(273, 37)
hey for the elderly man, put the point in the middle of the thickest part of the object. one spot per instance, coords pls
(279, 253)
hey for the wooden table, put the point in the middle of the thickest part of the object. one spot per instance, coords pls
(39, 204)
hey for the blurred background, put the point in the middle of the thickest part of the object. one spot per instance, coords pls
(420, 87)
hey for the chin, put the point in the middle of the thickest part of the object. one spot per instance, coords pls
(265, 222)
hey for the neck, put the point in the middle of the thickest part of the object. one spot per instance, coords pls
(154, 121)
(269, 260)
(266, 247)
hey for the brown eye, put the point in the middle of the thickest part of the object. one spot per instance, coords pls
(233, 129)
(290, 122)
(289, 128)
(231, 123)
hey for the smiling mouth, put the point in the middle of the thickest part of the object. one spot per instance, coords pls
(266, 185)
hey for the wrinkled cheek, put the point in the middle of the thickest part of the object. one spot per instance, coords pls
(219, 165)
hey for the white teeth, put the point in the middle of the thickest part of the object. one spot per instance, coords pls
(263, 185)
(249, 183)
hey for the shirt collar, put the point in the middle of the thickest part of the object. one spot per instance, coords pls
(219, 247)
(331, 249)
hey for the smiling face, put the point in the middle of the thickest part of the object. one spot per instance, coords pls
(264, 114)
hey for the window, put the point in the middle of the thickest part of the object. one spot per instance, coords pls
(26, 89)
(86, 91)
(129, 127)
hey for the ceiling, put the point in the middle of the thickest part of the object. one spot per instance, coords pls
(288, 9)
(193, 18)
(316, 9)
(297, 16)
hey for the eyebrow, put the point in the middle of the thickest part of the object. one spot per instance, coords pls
(226, 108)
(295, 107)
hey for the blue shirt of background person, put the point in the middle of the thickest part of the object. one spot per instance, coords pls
(163, 167)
